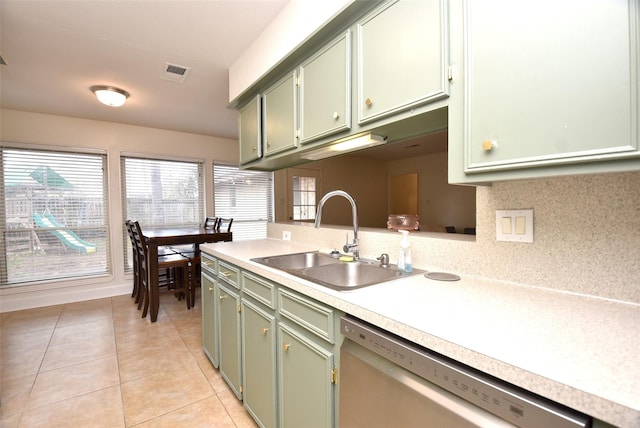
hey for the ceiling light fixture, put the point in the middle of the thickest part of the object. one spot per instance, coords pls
(110, 95)
(345, 146)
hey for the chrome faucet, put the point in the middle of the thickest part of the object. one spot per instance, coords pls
(348, 248)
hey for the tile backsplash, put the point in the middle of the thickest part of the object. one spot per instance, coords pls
(586, 237)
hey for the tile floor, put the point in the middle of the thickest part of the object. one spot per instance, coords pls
(99, 364)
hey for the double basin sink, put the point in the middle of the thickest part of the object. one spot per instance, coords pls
(331, 272)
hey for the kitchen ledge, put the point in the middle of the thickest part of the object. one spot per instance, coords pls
(577, 350)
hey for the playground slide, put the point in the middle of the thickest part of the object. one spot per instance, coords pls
(67, 237)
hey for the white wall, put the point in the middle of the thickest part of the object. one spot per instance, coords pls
(48, 130)
(440, 204)
(367, 180)
(296, 23)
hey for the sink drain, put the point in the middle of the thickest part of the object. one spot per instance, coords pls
(442, 276)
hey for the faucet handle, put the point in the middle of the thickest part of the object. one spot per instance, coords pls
(350, 248)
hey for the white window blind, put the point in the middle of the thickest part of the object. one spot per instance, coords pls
(54, 215)
(247, 197)
(160, 193)
(163, 192)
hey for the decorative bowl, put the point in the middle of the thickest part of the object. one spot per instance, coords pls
(403, 222)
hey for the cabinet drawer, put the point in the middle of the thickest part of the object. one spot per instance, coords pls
(228, 273)
(259, 288)
(208, 264)
(314, 317)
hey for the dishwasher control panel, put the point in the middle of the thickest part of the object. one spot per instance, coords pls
(506, 401)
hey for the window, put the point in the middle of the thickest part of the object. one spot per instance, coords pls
(53, 209)
(160, 192)
(245, 196)
(304, 198)
(303, 187)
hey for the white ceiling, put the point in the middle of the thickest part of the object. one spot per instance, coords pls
(55, 50)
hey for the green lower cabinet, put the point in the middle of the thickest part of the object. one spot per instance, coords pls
(209, 324)
(229, 330)
(259, 363)
(277, 349)
(306, 388)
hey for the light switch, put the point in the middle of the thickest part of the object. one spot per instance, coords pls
(521, 224)
(506, 225)
(514, 225)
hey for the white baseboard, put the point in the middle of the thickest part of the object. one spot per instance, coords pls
(59, 296)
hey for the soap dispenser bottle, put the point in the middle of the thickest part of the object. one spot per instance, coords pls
(404, 256)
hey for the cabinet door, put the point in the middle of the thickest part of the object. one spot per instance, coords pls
(259, 363)
(306, 391)
(209, 324)
(280, 108)
(549, 83)
(325, 90)
(250, 131)
(402, 57)
(230, 351)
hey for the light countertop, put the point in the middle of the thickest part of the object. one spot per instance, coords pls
(580, 351)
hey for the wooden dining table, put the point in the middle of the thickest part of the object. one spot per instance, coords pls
(158, 237)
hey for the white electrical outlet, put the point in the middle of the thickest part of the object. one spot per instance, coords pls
(286, 235)
(514, 225)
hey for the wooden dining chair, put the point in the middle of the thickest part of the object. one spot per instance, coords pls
(162, 251)
(211, 223)
(178, 280)
(224, 225)
(136, 269)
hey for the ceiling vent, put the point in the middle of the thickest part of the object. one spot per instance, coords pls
(175, 73)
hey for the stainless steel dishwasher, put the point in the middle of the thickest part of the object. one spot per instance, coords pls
(386, 382)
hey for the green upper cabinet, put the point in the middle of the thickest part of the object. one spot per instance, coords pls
(249, 131)
(378, 66)
(280, 115)
(325, 90)
(547, 88)
(402, 58)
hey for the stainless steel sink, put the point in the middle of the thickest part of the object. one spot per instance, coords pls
(330, 272)
(297, 260)
(350, 275)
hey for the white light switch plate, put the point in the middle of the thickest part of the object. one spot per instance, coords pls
(514, 225)
(286, 235)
